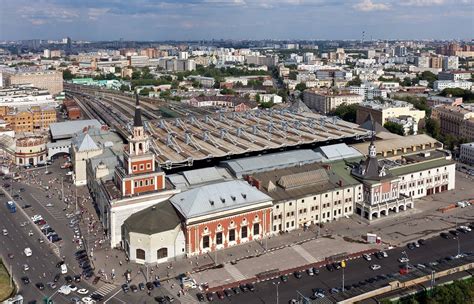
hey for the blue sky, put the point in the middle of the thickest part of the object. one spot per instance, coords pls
(238, 19)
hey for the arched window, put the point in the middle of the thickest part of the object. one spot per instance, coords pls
(140, 254)
(162, 253)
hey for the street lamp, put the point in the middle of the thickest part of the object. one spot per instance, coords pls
(343, 265)
(276, 285)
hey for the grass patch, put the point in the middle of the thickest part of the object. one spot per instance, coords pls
(5, 289)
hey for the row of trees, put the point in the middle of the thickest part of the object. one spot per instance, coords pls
(467, 95)
(458, 292)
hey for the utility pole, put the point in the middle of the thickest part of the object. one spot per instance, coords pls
(276, 285)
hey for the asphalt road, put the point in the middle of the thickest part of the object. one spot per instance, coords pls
(357, 270)
(43, 260)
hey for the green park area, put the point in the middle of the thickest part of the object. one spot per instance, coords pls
(5, 289)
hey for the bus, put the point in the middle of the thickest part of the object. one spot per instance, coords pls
(11, 206)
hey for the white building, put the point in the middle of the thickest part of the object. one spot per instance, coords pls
(440, 85)
(466, 153)
(271, 98)
(450, 63)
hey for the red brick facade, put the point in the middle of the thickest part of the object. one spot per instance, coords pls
(203, 237)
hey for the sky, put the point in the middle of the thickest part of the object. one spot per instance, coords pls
(155, 20)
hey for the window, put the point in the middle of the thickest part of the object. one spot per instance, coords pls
(152, 181)
(140, 254)
(136, 184)
(219, 238)
(162, 253)
(205, 241)
(256, 229)
(141, 167)
(231, 235)
(146, 182)
(134, 168)
(244, 232)
(148, 166)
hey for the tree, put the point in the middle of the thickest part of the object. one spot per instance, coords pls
(300, 86)
(394, 128)
(467, 95)
(145, 91)
(429, 76)
(67, 75)
(227, 91)
(354, 82)
(433, 128)
(257, 97)
(406, 82)
(266, 105)
(293, 75)
(136, 75)
(174, 84)
(346, 112)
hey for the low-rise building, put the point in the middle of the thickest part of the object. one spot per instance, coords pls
(381, 112)
(234, 103)
(30, 150)
(326, 101)
(440, 85)
(466, 153)
(455, 75)
(433, 101)
(49, 80)
(28, 119)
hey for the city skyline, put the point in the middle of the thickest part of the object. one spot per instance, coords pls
(237, 19)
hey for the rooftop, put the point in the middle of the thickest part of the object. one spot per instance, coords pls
(155, 219)
(63, 130)
(219, 197)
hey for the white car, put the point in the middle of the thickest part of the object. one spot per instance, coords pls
(28, 251)
(64, 269)
(5, 231)
(88, 300)
(72, 287)
(403, 260)
(385, 254)
(465, 228)
(375, 267)
(65, 290)
(367, 257)
(83, 291)
(49, 205)
(26, 267)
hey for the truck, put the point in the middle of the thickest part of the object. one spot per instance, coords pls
(11, 206)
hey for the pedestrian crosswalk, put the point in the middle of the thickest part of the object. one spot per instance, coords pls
(105, 289)
(234, 272)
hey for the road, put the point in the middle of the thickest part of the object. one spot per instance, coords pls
(356, 271)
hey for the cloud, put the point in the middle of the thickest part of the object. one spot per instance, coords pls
(422, 2)
(95, 13)
(369, 5)
(41, 14)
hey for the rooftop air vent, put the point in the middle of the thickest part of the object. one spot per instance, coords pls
(223, 200)
(232, 197)
(211, 202)
(244, 195)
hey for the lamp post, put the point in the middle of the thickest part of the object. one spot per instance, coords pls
(343, 265)
(276, 285)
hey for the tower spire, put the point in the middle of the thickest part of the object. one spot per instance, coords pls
(137, 121)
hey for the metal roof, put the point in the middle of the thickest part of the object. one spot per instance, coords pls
(214, 198)
(242, 166)
(339, 151)
(62, 130)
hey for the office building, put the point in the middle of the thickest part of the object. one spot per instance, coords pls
(466, 153)
(28, 119)
(455, 121)
(326, 101)
(381, 112)
(440, 85)
(49, 80)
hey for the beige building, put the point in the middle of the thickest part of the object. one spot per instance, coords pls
(307, 194)
(29, 119)
(381, 112)
(30, 150)
(50, 80)
(456, 121)
(325, 101)
(154, 235)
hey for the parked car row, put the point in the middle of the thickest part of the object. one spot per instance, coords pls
(455, 232)
(84, 263)
(49, 232)
(229, 292)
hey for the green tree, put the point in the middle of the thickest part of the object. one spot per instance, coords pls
(429, 76)
(266, 105)
(227, 91)
(136, 75)
(174, 84)
(144, 91)
(300, 86)
(346, 112)
(354, 82)
(433, 128)
(406, 82)
(293, 75)
(467, 95)
(394, 128)
(67, 75)
(257, 97)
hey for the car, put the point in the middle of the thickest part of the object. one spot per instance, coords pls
(236, 290)
(403, 260)
(367, 257)
(156, 283)
(96, 280)
(298, 274)
(97, 297)
(421, 242)
(11, 256)
(41, 222)
(77, 278)
(51, 285)
(68, 279)
(21, 189)
(411, 246)
(284, 278)
(5, 232)
(329, 267)
(378, 255)
(57, 277)
(334, 290)
(336, 265)
(134, 288)
(244, 287)
(371, 280)
(49, 205)
(170, 299)
(210, 296)
(72, 287)
(420, 266)
(26, 206)
(384, 254)
(160, 300)
(228, 292)
(466, 228)
(28, 251)
(149, 286)
(75, 300)
(444, 235)
(58, 264)
(141, 286)
(88, 300)
(310, 271)
(454, 232)
(125, 288)
(25, 267)
(25, 280)
(40, 240)
(462, 230)
(375, 267)
(40, 286)
(80, 252)
(65, 290)
(200, 297)
(251, 286)
(220, 295)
